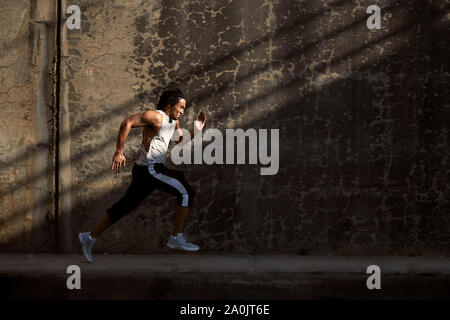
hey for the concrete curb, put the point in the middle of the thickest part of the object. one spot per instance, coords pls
(190, 276)
(218, 263)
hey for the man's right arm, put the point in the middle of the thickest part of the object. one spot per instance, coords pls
(148, 118)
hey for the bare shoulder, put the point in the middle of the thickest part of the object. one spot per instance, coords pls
(152, 114)
(152, 117)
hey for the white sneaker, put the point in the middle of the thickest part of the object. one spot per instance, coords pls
(180, 242)
(86, 244)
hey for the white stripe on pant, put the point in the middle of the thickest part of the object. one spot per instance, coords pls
(173, 183)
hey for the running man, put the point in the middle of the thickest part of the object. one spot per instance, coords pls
(149, 172)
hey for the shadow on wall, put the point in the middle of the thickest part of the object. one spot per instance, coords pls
(87, 123)
(288, 87)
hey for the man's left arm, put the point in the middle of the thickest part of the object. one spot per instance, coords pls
(199, 123)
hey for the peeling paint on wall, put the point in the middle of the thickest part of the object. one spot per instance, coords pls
(361, 113)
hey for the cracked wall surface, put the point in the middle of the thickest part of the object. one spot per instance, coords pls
(363, 140)
(362, 114)
(25, 181)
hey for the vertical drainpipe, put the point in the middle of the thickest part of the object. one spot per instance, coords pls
(56, 107)
(65, 236)
(41, 213)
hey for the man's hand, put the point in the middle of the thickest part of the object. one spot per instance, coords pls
(200, 121)
(117, 161)
(148, 118)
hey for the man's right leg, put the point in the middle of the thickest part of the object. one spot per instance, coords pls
(180, 217)
(173, 182)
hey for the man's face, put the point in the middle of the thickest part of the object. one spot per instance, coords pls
(177, 110)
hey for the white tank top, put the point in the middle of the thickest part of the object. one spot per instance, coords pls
(159, 144)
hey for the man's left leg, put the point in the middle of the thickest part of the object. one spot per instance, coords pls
(104, 224)
(141, 186)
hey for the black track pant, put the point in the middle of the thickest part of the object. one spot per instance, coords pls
(145, 180)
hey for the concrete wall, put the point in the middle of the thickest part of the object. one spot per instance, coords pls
(27, 216)
(362, 114)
